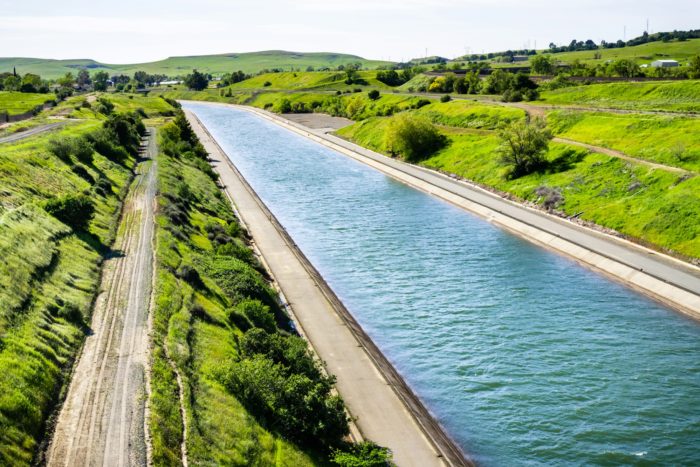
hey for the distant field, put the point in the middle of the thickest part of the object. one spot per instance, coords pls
(307, 80)
(174, 66)
(667, 95)
(644, 53)
(19, 102)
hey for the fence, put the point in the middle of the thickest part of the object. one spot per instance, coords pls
(5, 116)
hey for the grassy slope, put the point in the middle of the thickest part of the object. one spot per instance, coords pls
(307, 80)
(665, 95)
(669, 140)
(644, 53)
(19, 102)
(192, 324)
(45, 265)
(173, 66)
(652, 205)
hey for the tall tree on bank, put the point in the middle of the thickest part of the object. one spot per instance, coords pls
(196, 81)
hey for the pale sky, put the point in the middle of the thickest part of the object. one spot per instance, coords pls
(130, 31)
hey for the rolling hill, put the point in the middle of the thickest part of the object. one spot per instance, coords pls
(251, 62)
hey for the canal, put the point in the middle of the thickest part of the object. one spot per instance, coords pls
(525, 357)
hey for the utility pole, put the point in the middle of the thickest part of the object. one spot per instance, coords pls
(647, 29)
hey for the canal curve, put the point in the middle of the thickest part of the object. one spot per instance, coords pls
(524, 356)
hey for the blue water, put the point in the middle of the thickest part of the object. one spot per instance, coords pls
(525, 357)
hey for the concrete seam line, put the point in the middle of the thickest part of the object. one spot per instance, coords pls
(686, 306)
(444, 447)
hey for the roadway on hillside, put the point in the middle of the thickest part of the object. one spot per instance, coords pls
(101, 422)
(31, 132)
(370, 387)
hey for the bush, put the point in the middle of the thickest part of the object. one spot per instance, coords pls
(413, 138)
(75, 211)
(65, 147)
(364, 454)
(104, 106)
(283, 106)
(523, 146)
(445, 98)
(258, 314)
(373, 94)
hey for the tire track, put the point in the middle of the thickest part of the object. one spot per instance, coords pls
(102, 421)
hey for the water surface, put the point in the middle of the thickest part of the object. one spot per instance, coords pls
(524, 356)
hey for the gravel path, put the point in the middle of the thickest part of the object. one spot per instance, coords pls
(102, 419)
(31, 132)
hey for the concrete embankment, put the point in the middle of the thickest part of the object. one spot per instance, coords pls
(661, 277)
(385, 409)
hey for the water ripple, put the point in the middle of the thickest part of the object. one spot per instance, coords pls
(524, 356)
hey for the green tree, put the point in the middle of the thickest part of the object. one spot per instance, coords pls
(523, 146)
(694, 67)
(625, 68)
(83, 79)
(542, 64)
(373, 94)
(196, 81)
(12, 83)
(99, 80)
(66, 80)
(73, 210)
(31, 83)
(498, 82)
(413, 138)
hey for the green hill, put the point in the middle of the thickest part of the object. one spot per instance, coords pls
(644, 53)
(216, 64)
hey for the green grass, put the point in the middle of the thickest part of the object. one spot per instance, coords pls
(315, 80)
(644, 53)
(681, 96)
(15, 103)
(652, 206)
(252, 62)
(47, 270)
(669, 140)
(191, 323)
(467, 114)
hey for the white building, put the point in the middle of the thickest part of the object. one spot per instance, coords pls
(664, 64)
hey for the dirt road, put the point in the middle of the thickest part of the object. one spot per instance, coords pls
(31, 132)
(102, 419)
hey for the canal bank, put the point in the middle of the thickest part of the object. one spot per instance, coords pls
(661, 277)
(384, 407)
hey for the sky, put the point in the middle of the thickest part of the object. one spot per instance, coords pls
(131, 31)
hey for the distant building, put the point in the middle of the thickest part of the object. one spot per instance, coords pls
(520, 58)
(664, 64)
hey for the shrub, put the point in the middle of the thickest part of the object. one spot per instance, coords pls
(364, 454)
(258, 314)
(373, 94)
(283, 106)
(73, 210)
(414, 138)
(523, 146)
(551, 197)
(445, 98)
(104, 106)
(267, 84)
(65, 147)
